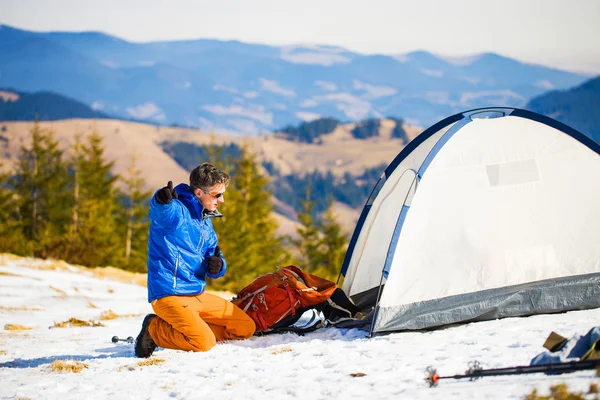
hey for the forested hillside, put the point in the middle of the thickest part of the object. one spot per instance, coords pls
(42, 106)
(318, 186)
(310, 132)
(577, 107)
(68, 204)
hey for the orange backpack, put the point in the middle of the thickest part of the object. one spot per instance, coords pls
(273, 297)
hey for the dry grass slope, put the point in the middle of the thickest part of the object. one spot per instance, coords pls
(74, 322)
(152, 361)
(108, 315)
(16, 327)
(67, 366)
(561, 392)
(5, 308)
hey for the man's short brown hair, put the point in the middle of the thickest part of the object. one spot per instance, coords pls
(207, 175)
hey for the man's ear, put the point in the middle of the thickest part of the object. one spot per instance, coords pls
(197, 192)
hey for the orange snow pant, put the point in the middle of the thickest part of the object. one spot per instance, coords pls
(197, 323)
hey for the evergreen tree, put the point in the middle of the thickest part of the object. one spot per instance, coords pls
(247, 231)
(133, 222)
(40, 182)
(10, 229)
(308, 242)
(93, 241)
(334, 243)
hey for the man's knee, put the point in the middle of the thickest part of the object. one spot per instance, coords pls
(246, 328)
(203, 344)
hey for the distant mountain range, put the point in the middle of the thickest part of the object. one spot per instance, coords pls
(43, 106)
(248, 88)
(578, 107)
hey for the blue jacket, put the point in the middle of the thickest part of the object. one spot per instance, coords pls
(180, 240)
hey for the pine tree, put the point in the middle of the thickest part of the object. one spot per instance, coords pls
(133, 222)
(40, 182)
(308, 243)
(334, 243)
(94, 241)
(10, 229)
(247, 231)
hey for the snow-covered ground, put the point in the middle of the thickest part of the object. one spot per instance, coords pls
(39, 294)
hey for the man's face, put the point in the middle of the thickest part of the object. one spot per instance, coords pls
(207, 196)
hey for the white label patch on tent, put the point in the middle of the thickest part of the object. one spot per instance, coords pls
(513, 173)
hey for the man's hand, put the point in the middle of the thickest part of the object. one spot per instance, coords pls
(166, 194)
(214, 262)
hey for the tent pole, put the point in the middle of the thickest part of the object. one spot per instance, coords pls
(376, 310)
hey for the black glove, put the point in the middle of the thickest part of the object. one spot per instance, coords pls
(215, 263)
(166, 194)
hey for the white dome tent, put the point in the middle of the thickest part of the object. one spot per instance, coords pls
(489, 213)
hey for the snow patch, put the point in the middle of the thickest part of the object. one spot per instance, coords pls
(438, 97)
(545, 84)
(471, 79)
(308, 103)
(97, 105)
(372, 91)
(8, 96)
(460, 60)
(328, 86)
(273, 86)
(352, 106)
(401, 58)
(254, 112)
(314, 55)
(500, 97)
(110, 64)
(225, 88)
(307, 116)
(147, 111)
(432, 72)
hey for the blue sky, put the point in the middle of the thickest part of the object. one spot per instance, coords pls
(560, 33)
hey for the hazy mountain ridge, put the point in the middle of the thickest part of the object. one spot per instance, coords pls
(249, 88)
(577, 107)
(43, 106)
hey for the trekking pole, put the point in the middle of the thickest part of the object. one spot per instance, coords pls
(475, 371)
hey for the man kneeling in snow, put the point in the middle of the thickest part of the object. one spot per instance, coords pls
(182, 252)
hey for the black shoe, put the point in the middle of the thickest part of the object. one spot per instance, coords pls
(144, 345)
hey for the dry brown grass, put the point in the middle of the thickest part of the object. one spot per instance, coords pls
(59, 291)
(282, 350)
(2, 273)
(561, 392)
(108, 315)
(59, 265)
(74, 322)
(357, 374)
(22, 308)
(3, 352)
(120, 275)
(91, 305)
(16, 327)
(151, 361)
(67, 366)
(144, 363)
(111, 290)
